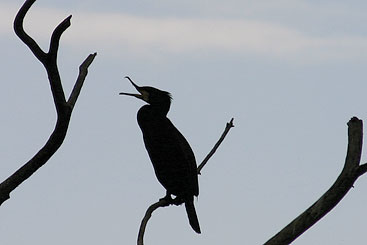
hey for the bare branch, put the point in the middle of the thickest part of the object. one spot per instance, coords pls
(45, 153)
(52, 69)
(355, 141)
(47, 59)
(362, 169)
(161, 203)
(19, 30)
(229, 125)
(56, 35)
(164, 202)
(83, 71)
(63, 109)
(334, 195)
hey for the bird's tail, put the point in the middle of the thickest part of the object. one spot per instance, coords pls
(191, 214)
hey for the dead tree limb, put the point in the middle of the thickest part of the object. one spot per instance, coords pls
(63, 107)
(350, 173)
(164, 202)
(229, 125)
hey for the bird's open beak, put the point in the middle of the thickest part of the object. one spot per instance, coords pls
(139, 96)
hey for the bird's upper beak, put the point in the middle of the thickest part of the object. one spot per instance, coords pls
(143, 94)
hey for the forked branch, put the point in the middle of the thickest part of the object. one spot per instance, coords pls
(63, 108)
(164, 202)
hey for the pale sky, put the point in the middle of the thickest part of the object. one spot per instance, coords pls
(291, 73)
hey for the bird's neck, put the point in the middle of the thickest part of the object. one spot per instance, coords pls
(161, 109)
(149, 112)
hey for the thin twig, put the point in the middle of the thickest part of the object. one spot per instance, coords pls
(164, 202)
(83, 71)
(229, 125)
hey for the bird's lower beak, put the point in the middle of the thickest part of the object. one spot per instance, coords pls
(139, 96)
(142, 94)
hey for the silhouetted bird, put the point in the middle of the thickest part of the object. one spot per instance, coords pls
(172, 157)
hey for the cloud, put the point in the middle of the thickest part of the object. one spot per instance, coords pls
(154, 35)
(181, 35)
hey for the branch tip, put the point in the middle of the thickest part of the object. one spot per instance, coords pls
(230, 123)
(83, 71)
(23, 36)
(86, 63)
(354, 120)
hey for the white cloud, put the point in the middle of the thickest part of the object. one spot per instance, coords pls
(149, 35)
(144, 35)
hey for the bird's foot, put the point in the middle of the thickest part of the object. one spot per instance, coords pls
(176, 201)
(167, 198)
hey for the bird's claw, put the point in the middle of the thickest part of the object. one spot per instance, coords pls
(176, 201)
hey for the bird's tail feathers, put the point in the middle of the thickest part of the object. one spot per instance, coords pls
(191, 214)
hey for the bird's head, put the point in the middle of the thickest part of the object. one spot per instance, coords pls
(152, 96)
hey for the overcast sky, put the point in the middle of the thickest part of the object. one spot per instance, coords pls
(292, 73)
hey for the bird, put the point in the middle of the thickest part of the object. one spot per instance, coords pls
(173, 159)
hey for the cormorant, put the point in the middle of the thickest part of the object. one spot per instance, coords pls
(172, 157)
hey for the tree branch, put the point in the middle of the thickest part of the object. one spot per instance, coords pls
(63, 109)
(161, 203)
(56, 35)
(229, 125)
(47, 59)
(334, 195)
(164, 202)
(362, 169)
(19, 30)
(83, 71)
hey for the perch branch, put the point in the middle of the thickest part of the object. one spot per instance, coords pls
(161, 203)
(164, 202)
(63, 109)
(350, 173)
